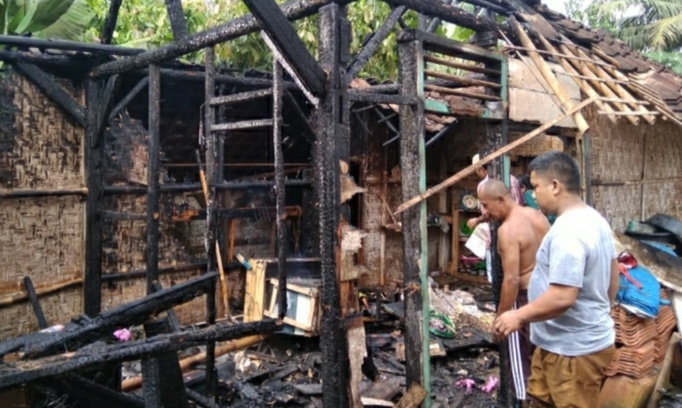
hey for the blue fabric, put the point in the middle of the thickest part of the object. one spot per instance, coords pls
(644, 301)
(662, 247)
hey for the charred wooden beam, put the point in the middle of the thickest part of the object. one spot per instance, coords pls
(47, 84)
(110, 22)
(43, 193)
(128, 98)
(210, 194)
(177, 19)
(277, 91)
(115, 276)
(176, 188)
(374, 43)
(79, 62)
(222, 79)
(173, 322)
(274, 22)
(12, 374)
(165, 370)
(106, 104)
(94, 154)
(35, 303)
(153, 183)
(130, 314)
(90, 394)
(18, 41)
(371, 97)
(308, 128)
(327, 192)
(452, 14)
(449, 47)
(200, 400)
(293, 10)
(413, 181)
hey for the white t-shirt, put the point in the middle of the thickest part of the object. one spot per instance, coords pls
(577, 251)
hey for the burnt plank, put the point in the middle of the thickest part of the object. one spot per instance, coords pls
(177, 19)
(446, 12)
(129, 314)
(374, 43)
(47, 84)
(12, 374)
(35, 304)
(279, 29)
(413, 183)
(128, 98)
(153, 182)
(280, 189)
(327, 214)
(110, 22)
(94, 153)
(170, 385)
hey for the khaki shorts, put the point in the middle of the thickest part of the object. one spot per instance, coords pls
(567, 382)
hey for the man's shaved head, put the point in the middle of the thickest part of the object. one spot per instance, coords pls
(493, 189)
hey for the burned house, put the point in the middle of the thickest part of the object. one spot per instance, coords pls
(132, 185)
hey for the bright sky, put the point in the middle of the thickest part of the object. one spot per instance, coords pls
(556, 5)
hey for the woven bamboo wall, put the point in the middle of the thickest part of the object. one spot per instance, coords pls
(41, 237)
(646, 160)
(58, 307)
(40, 147)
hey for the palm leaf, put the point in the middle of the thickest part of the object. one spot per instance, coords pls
(71, 23)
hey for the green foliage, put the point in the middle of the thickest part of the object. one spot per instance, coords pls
(45, 18)
(653, 27)
(144, 24)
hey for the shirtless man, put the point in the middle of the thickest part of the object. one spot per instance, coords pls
(519, 236)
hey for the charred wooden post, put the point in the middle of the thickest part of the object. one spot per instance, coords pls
(327, 191)
(374, 43)
(105, 323)
(153, 184)
(110, 22)
(151, 385)
(293, 10)
(166, 386)
(94, 152)
(107, 103)
(12, 374)
(415, 259)
(47, 84)
(177, 19)
(274, 22)
(35, 303)
(211, 218)
(280, 189)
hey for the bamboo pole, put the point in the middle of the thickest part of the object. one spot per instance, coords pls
(566, 102)
(584, 86)
(471, 168)
(619, 90)
(41, 291)
(229, 346)
(591, 70)
(219, 257)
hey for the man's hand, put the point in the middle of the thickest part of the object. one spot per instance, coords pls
(507, 323)
(497, 337)
(472, 222)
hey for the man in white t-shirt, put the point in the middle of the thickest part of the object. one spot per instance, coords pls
(571, 289)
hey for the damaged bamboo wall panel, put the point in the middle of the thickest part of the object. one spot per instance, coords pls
(59, 306)
(584, 86)
(591, 71)
(542, 66)
(42, 148)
